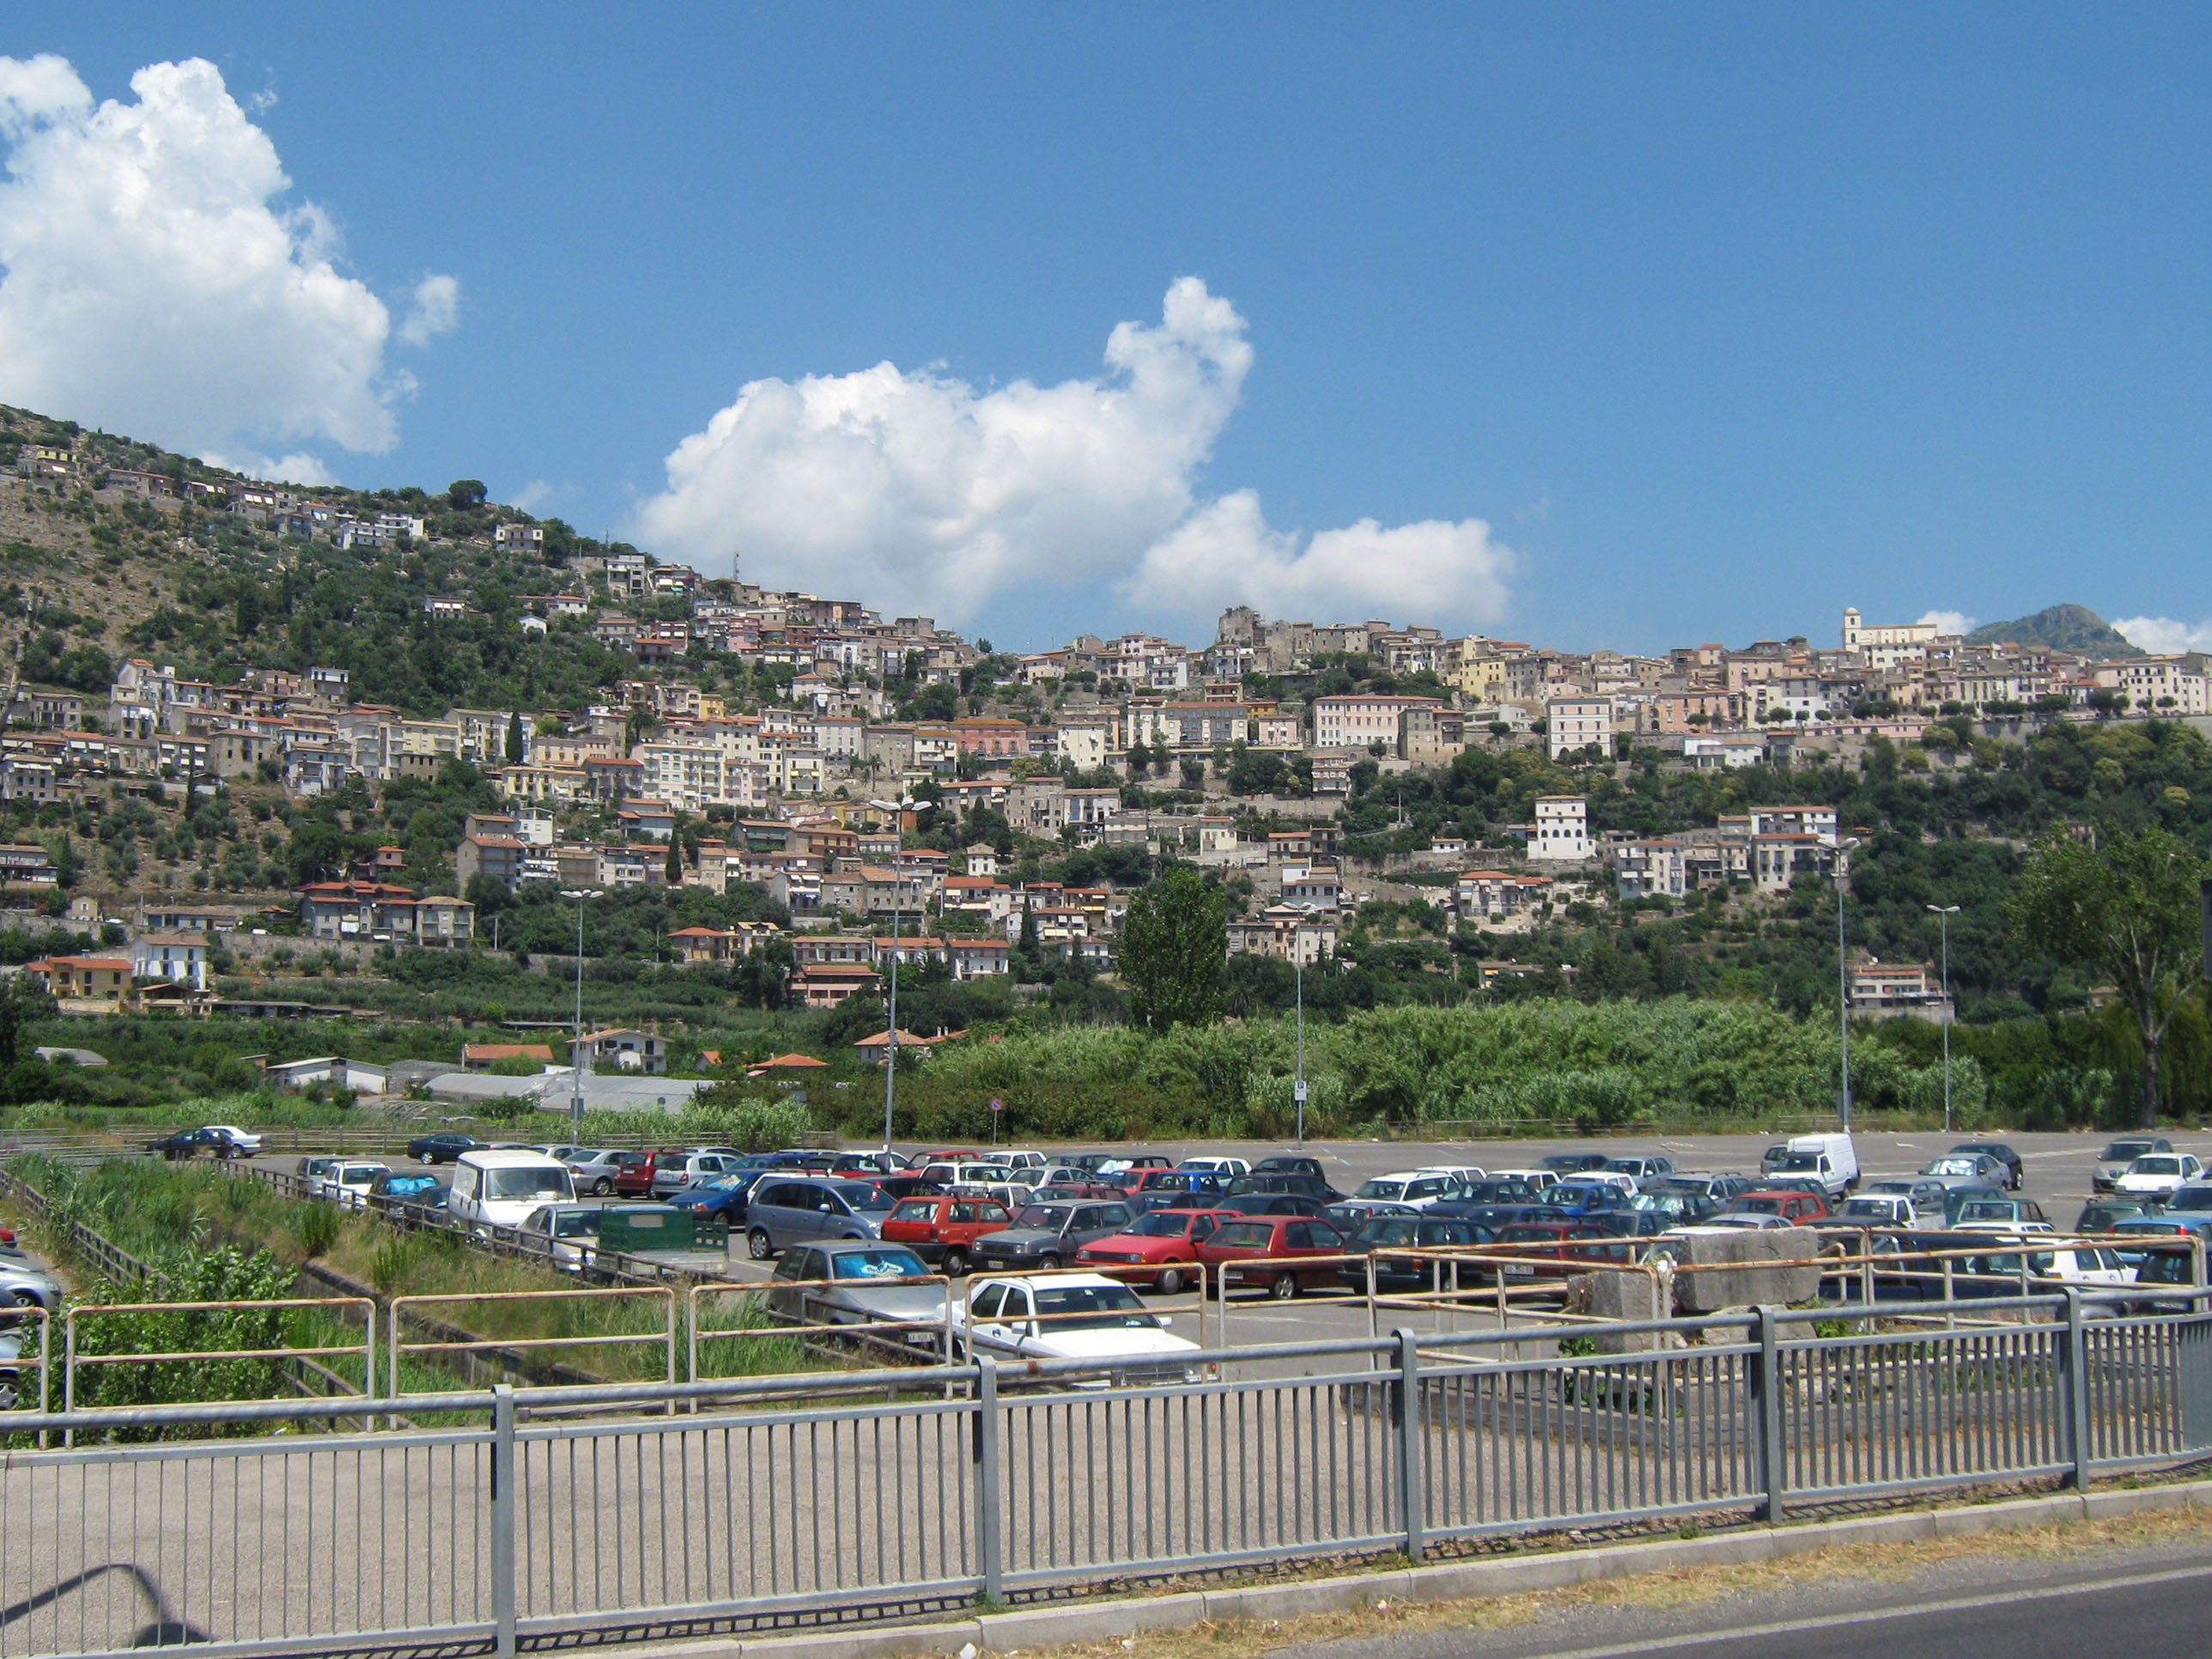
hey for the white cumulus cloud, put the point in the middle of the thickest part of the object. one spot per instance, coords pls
(1226, 554)
(155, 283)
(435, 309)
(2160, 635)
(1949, 622)
(922, 493)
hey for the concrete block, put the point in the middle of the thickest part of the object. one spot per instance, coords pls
(891, 1641)
(2103, 1505)
(1260, 1602)
(1743, 1267)
(1627, 1297)
(2017, 1512)
(1089, 1621)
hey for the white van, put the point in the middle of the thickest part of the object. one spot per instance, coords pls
(502, 1189)
(1830, 1159)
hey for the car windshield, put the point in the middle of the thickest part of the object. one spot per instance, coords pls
(729, 1184)
(862, 1195)
(1987, 1209)
(2156, 1164)
(1091, 1307)
(1380, 1189)
(2190, 1197)
(1565, 1161)
(1803, 1163)
(2125, 1151)
(1046, 1217)
(1386, 1233)
(876, 1264)
(1875, 1208)
(1758, 1206)
(1952, 1166)
(526, 1183)
(1162, 1224)
(917, 1209)
(1246, 1233)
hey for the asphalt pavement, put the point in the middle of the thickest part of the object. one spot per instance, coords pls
(2145, 1603)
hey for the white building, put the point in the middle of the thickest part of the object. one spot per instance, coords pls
(1562, 828)
(1575, 723)
(1887, 644)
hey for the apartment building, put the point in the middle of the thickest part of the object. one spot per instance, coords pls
(1573, 724)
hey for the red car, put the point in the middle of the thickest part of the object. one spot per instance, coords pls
(1269, 1237)
(1133, 1182)
(1560, 1249)
(941, 1230)
(1798, 1208)
(634, 1174)
(1157, 1249)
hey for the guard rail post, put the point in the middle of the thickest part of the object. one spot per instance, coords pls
(1406, 1411)
(502, 1519)
(985, 1457)
(2074, 1372)
(1766, 1404)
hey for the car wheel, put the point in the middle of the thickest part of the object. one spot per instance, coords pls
(1283, 1286)
(428, 1158)
(1169, 1282)
(11, 1398)
(757, 1245)
(955, 1262)
(27, 1299)
(602, 1188)
(1048, 1264)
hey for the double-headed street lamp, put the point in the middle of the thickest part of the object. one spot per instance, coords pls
(1943, 913)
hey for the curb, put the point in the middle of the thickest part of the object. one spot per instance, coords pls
(1454, 1581)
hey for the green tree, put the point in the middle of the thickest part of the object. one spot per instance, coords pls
(1175, 941)
(2132, 910)
(464, 494)
(514, 739)
(674, 870)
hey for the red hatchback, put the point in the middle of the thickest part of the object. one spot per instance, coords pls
(942, 1230)
(1268, 1238)
(1160, 1249)
(634, 1174)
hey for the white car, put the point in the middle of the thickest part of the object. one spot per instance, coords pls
(243, 1143)
(1231, 1167)
(348, 1179)
(1619, 1181)
(1072, 1317)
(1539, 1179)
(1419, 1187)
(2094, 1267)
(1736, 1219)
(1877, 1210)
(2157, 1174)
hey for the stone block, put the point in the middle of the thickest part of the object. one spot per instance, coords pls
(1737, 1267)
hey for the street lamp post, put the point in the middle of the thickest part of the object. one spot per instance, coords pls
(576, 1048)
(1943, 915)
(1298, 1089)
(890, 1029)
(1843, 980)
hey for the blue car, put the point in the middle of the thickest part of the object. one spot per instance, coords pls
(725, 1195)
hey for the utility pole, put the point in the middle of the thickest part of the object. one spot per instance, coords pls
(1298, 1089)
(1844, 980)
(891, 1030)
(576, 1048)
(1943, 915)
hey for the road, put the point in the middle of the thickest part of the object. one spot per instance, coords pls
(2143, 1603)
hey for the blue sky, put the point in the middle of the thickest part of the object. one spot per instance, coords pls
(1618, 325)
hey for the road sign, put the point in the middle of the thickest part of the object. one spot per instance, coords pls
(1298, 1091)
(997, 1105)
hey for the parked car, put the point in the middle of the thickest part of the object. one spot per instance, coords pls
(1831, 1159)
(22, 1285)
(1493, 1189)
(870, 1283)
(1349, 1216)
(1153, 1179)
(2113, 1163)
(1577, 1196)
(593, 1170)
(1560, 1248)
(2015, 1171)
(1956, 1169)
(1404, 1273)
(785, 1210)
(967, 1173)
(217, 1140)
(1228, 1167)
(1419, 1188)
(900, 1186)
(500, 1190)
(1926, 1196)
(1048, 1235)
(2190, 1197)
(1085, 1316)
(1291, 1164)
(1719, 1188)
(1680, 1209)
(1539, 1179)
(633, 1174)
(1797, 1208)
(1956, 1199)
(1732, 1218)
(2159, 1174)
(1134, 1161)
(1877, 1210)
(726, 1195)
(1284, 1181)
(348, 1179)
(2103, 1215)
(566, 1232)
(1159, 1249)
(408, 1186)
(2090, 1266)
(1624, 1185)
(1260, 1240)
(312, 1171)
(2023, 1212)
(1642, 1170)
(1273, 1204)
(942, 1230)
(1567, 1164)
(1075, 1192)
(443, 1147)
(675, 1172)
(1015, 1159)
(1633, 1222)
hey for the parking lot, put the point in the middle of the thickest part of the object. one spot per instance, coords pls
(2058, 1174)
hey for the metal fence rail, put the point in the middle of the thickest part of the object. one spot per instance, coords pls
(506, 1515)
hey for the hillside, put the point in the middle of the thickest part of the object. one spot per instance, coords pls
(2061, 628)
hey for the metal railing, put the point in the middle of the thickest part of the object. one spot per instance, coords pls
(768, 1501)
